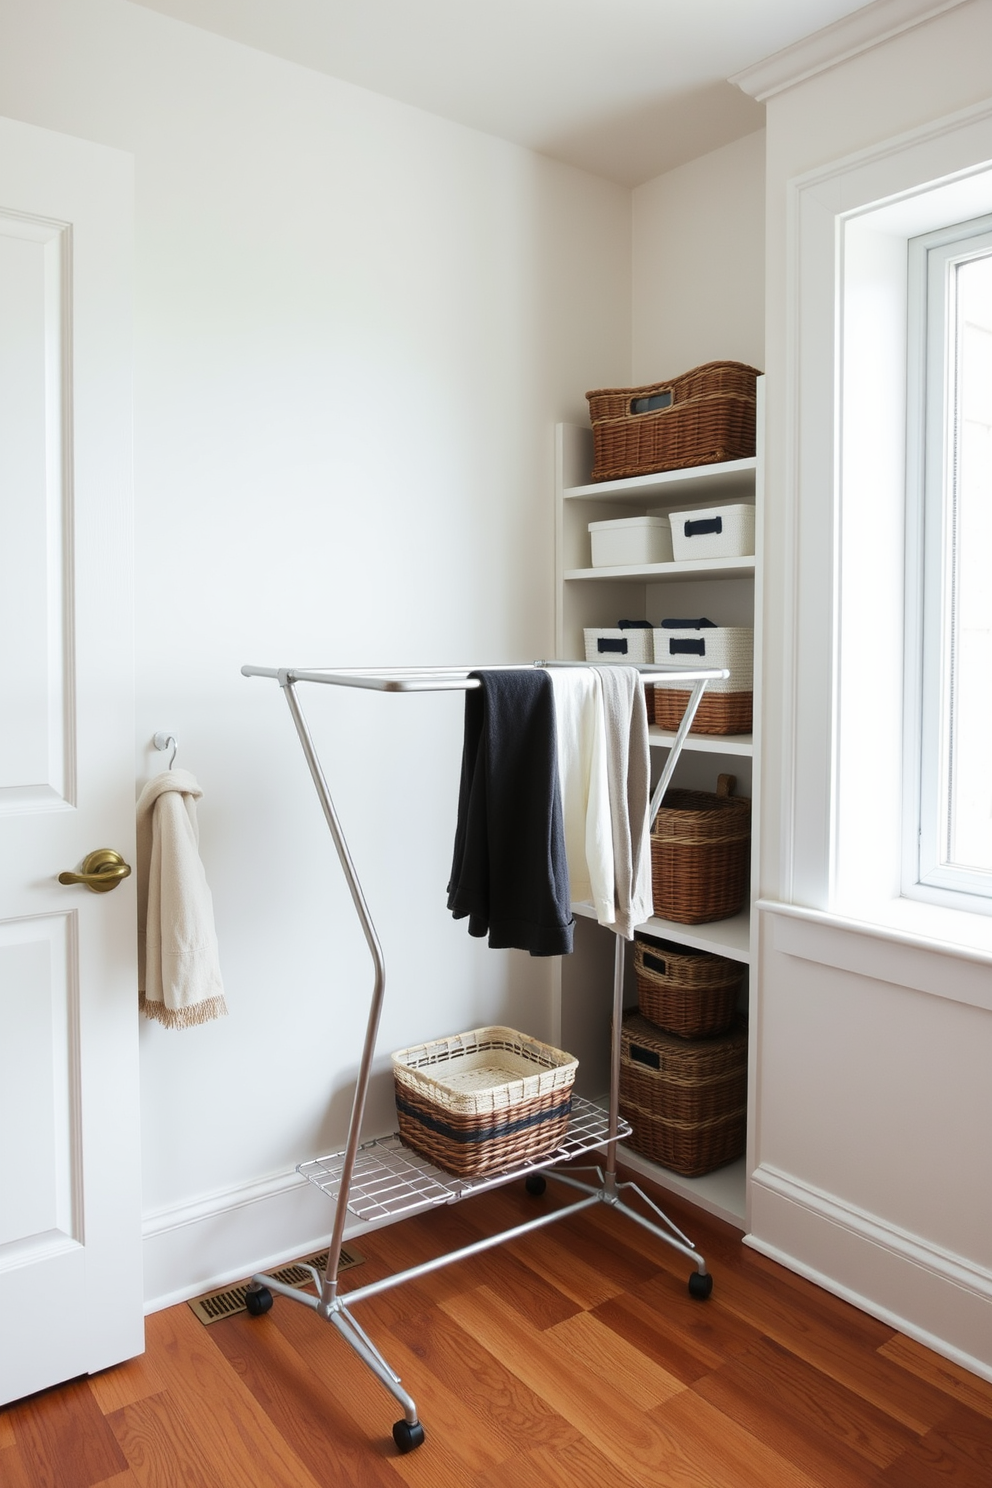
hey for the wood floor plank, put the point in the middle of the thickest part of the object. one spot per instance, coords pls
(688, 1359)
(711, 1325)
(549, 1255)
(705, 1449)
(957, 1454)
(841, 1356)
(470, 1442)
(599, 1351)
(63, 1438)
(831, 1434)
(125, 1383)
(598, 1410)
(579, 1465)
(13, 1473)
(7, 1438)
(531, 1294)
(626, 1262)
(522, 1418)
(122, 1480)
(228, 1425)
(960, 1384)
(305, 1406)
(161, 1446)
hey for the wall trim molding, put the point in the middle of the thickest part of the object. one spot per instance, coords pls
(879, 1231)
(901, 1248)
(835, 43)
(192, 1247)
(221, 1201)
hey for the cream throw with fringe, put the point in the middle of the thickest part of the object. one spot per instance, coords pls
(177, 945)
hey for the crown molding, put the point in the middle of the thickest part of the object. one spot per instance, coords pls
(845, 38)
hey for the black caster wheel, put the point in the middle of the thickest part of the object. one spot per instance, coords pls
(535, 1183)
(258, 1299)
(407, 1437)
(700, 1285)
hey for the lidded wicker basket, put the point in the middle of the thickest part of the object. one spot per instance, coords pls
(483, 1101)
(700, 847)
(689, 993)
(685, 1100)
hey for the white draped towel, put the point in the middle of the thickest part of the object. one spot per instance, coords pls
(178, 961)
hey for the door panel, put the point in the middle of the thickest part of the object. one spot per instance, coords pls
(35, 441)
(70, 1237)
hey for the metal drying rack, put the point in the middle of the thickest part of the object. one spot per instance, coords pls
(383, 1180)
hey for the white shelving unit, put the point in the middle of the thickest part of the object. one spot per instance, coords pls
(724, 589)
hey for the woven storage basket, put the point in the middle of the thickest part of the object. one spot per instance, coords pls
(708, 416)
(718, 713)
(626, 643)
(727, 706)
(714, 532)
(700, 845)
(685, 1100)
(692, 994)
(483, 1101)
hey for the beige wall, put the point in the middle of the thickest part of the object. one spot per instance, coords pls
(356, 325)
(698, 263)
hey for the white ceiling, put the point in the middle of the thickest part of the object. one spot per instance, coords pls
(624, 88)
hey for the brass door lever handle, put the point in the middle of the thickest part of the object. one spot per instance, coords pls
(102, 871)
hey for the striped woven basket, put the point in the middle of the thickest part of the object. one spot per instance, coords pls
(692, 994)
(483, 1101)
(686, 1101)
(700, 848)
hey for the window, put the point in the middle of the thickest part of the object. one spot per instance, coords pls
(950, 593)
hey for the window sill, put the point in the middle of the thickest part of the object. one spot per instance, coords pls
(946, 953)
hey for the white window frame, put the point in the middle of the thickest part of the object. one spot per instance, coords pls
(931, 380)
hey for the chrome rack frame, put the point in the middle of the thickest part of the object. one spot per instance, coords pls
(383, 1180)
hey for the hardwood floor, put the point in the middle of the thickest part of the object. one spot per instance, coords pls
(571, 1357)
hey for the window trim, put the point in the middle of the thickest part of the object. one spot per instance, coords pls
(932, 258)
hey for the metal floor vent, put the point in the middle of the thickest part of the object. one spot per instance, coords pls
(228, 1301)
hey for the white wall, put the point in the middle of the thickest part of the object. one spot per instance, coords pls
(699, 263)
(356, 327)
(875, 1025)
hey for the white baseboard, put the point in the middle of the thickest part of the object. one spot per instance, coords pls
(221, 1237)
(941, 1300)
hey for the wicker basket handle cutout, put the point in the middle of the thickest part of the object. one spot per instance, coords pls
(645, 1056)
(725, 785)
(653, 403)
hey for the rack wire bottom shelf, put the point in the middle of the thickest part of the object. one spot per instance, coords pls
(391, 1180)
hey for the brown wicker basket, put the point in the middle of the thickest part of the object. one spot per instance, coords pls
(700, 846)
(483, 1101)
(686, 1101)
(692, 994)
(718, 712)
(709, 417)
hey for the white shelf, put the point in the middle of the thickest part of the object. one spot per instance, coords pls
(723, 937)
(659, 573)
(704, 743)
(701, 485)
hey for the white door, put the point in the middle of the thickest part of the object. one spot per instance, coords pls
(70, 1239)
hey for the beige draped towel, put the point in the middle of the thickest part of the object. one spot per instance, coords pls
(178, 963)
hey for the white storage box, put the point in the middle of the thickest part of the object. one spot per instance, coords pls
(692, 644)
(625, 644)
(631, 540)
(714, 532)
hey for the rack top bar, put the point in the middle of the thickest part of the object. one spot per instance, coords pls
(450, 678)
